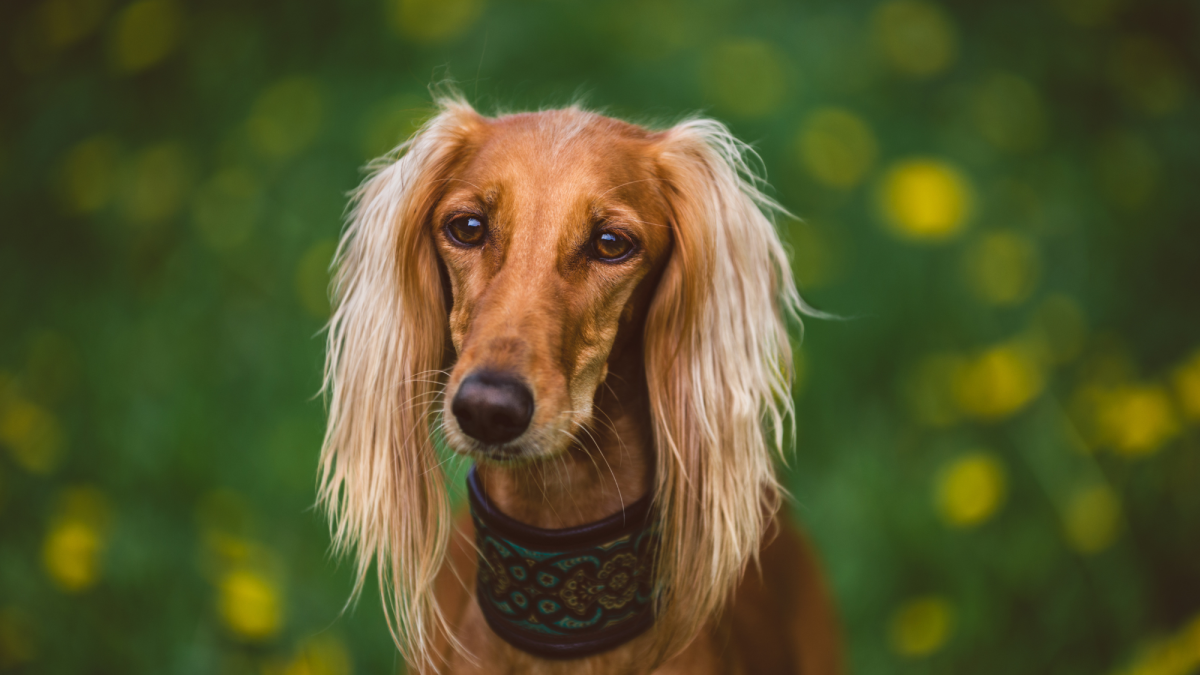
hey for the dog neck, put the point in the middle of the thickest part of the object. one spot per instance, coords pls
(608, 468)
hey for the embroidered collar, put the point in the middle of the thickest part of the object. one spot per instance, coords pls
(564, 594)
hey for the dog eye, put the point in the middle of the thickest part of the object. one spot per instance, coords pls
(466, 230)
(611, 246)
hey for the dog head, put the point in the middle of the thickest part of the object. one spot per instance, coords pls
(524, 252)
(547, 228)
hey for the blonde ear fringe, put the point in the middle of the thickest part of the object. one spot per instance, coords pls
(718, 364)
(379, 481)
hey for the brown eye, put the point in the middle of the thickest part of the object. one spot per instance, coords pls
(466, 230)
(611, 246)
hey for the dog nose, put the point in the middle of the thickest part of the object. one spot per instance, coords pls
(492, 407)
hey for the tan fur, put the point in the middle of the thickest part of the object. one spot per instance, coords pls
(667, 372)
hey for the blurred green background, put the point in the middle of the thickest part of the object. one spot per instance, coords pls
(998, 455)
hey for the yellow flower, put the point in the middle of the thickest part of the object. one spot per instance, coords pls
(250, 605)
(72, 549)
(32, 435)
(915, 37)
(1136, 420)
(921, 626)
(145, 33)
(970, 489)
(1187, 387)
(1092, 519)
(925, 200)
(998, 383)
(837, 147)
(71, 555)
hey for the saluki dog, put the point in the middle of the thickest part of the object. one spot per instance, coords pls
(595, 313)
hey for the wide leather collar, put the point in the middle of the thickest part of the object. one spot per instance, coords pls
(569, 593)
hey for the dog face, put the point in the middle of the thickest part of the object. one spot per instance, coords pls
(549, 229)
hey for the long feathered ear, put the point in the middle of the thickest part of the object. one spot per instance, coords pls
(379, 478)
(718, 365)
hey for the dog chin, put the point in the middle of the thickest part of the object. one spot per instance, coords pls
(529, 447)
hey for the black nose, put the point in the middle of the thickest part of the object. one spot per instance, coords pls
(492, 407)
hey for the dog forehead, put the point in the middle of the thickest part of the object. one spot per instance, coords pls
(566, 153)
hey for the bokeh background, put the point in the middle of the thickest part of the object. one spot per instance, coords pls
(998, 450)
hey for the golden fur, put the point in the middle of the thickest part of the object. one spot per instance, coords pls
(667, 372)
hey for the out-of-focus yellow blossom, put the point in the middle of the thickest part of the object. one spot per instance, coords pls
(921, 626)
(145, 33)
(159, 181)
(1136, 420)
(1092, 519)
(1178, 654)
(1087, 13)
(71, 555)
(1008, 113)
(1147, 75)
(16, 639)
(227, 207)
(970, 489)
(312, 278)
(90, 174)
(1186, 379)
(31, 433)
(1002, 267)
(391, 122)
(916, 38)
(250, 605)
(434, 20)
(1128, 169)
(1060, 329)
(73, 546)
(925, 200)
(286, 117)
(323, 655)
(837, 147)
(745, 76)
(998, 382)
(929, 389)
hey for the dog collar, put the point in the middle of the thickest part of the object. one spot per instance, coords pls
(564, 594)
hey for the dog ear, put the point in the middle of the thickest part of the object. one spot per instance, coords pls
(718, 364)
(380, 481)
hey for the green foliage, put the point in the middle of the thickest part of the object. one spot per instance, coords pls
(998, 456)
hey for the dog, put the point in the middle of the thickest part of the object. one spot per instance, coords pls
(595, 313)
